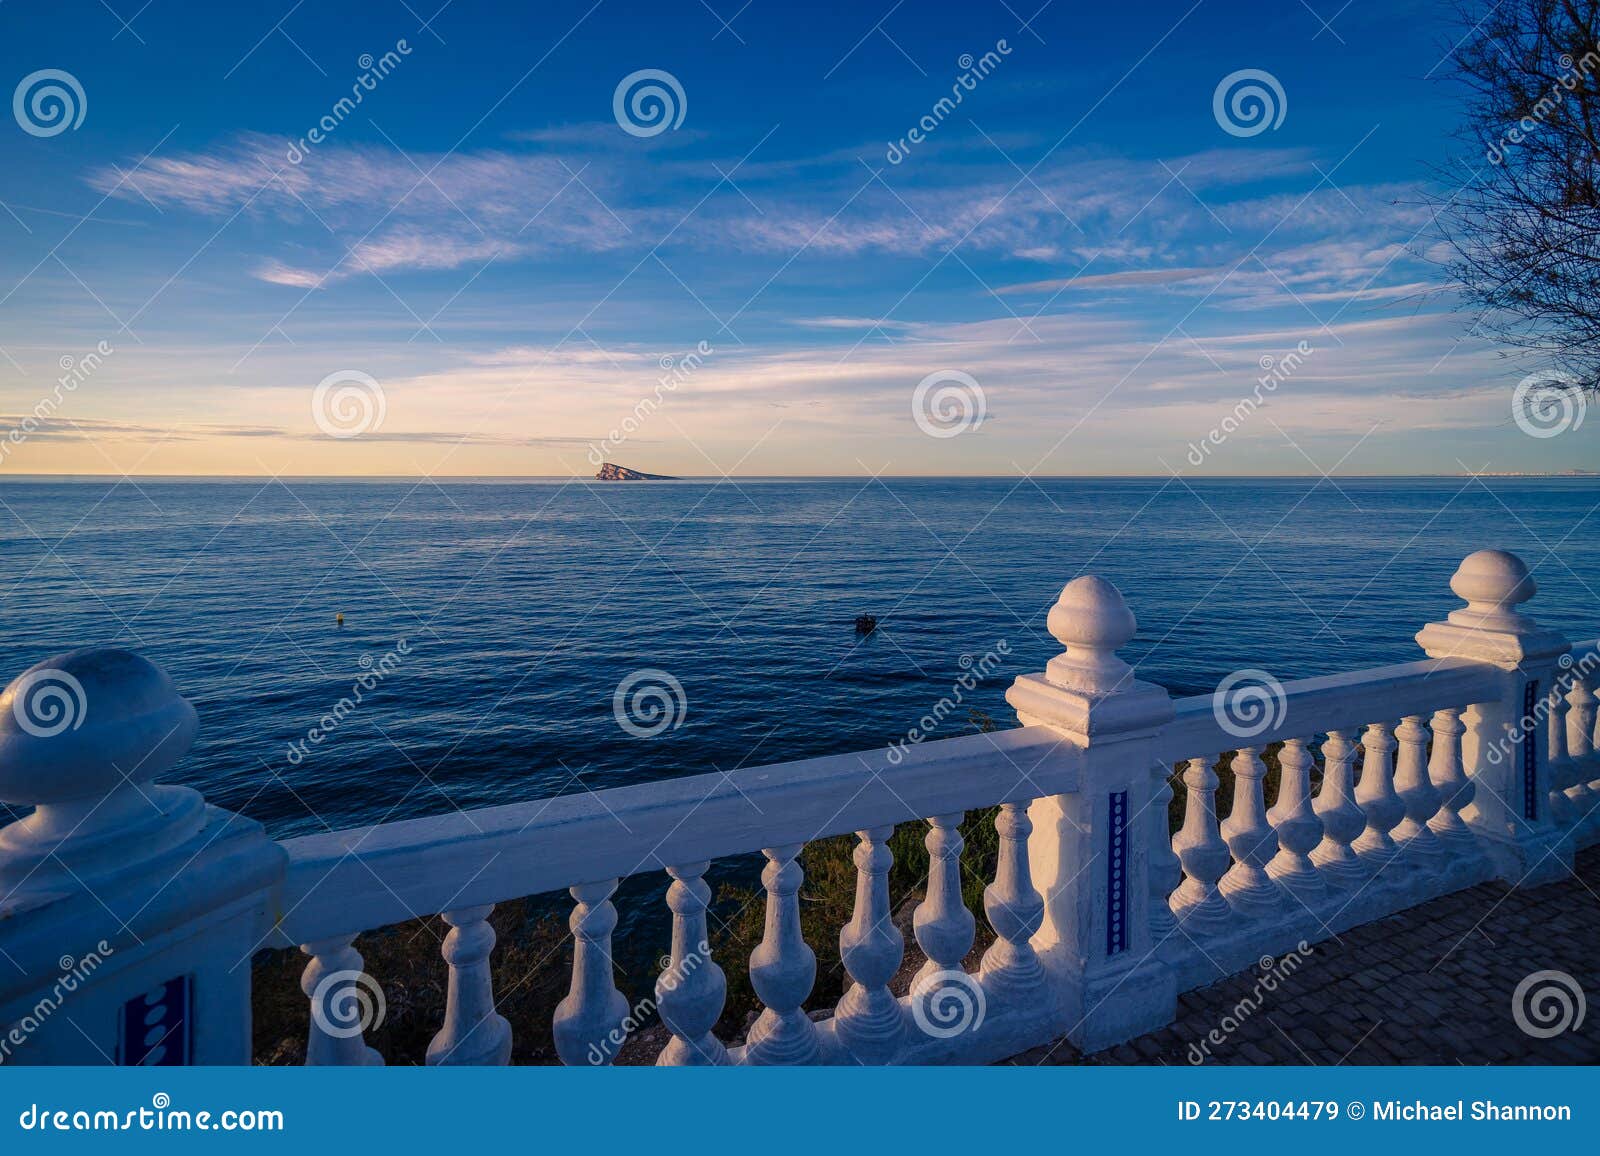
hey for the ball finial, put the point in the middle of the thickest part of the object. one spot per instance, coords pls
(84, 723)
(1092, 621)
(1492, 583)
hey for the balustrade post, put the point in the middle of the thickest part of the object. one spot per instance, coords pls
(473, 1033)
(1376, 796)
(588, 1023)
(868, 1022)
(1089, 853)
(1504, 748)
(692, 988)
(782, 970)
(1342, 821)
(944, 928)
(1465, 862)
(1564, 770)
(1580, 746)
(1011, 969)
(1299, 829)
(345, 1002)
(1166, 871)
(141, 899)
(1246, 886)
(1198, 904)
(1422, 855)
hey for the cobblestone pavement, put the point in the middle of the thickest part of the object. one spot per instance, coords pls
(1432, 985)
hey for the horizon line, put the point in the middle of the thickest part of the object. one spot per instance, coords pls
(94, 477)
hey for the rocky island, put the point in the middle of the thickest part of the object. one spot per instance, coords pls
(615, 473)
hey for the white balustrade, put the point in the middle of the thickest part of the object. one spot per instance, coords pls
(473, 1032)
(782, 969)
(868, 1022)
(1122, 919)
(588, 1024)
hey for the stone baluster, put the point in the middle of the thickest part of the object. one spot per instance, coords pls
(1378, 801)
(1247, 887)
(1010, 968)
(1166, 871)
(1580, 746)
(1424, 854)
(1565, 771)
(944, 927)
(868, 1021)
(1299, 829)
(1197, 903)
(345, 1002)
(588, 1023)
(1343, 820)
(782, 969)
(1560, 772)
(473, 1033)
(1455, 788)
(1465, 862)
(691, 990)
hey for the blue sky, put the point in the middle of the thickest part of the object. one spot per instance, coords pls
(502, 271)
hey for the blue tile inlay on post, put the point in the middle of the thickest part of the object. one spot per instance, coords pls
(155, 1027)
(1117, 875)
(1530, 755)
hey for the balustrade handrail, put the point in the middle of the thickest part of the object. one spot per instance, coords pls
(361, 878)
(1311, 706)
